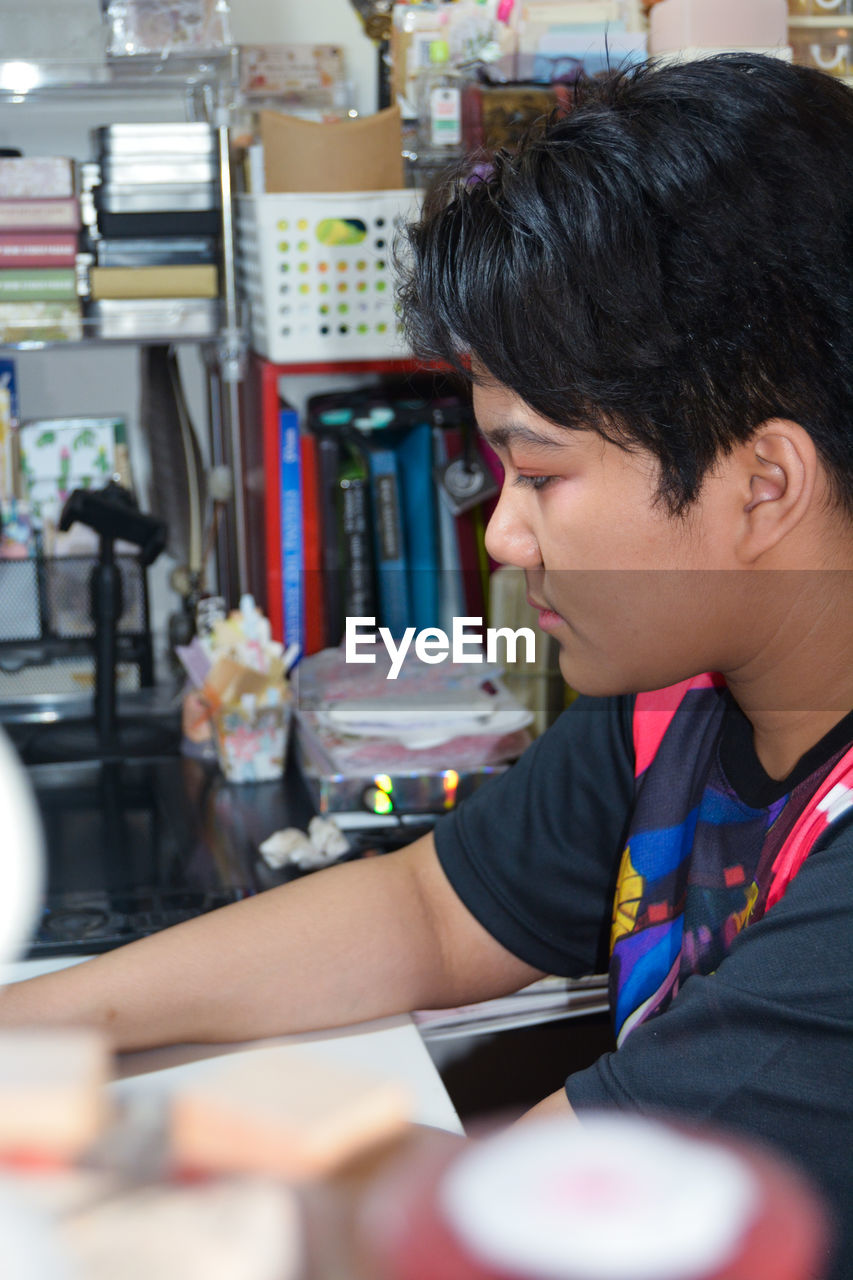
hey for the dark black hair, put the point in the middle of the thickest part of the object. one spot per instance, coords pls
(670, 264)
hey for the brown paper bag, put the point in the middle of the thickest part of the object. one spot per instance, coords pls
(353, 155)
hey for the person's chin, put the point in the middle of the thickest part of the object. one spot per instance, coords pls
(592, 679)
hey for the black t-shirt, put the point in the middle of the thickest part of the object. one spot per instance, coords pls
(755, 1034)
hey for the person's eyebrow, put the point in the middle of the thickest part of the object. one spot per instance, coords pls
(518, 432)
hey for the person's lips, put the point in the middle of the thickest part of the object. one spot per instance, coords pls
(548, 618)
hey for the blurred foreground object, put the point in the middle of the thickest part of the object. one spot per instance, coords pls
(21, 856)
(611, 1197)
(53, 1103)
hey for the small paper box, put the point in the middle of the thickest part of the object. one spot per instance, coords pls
(251, 740)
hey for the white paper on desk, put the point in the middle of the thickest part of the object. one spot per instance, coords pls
(390, 1046)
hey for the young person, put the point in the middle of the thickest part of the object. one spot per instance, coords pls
(654, 299)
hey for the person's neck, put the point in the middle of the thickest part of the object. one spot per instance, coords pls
(799, 684)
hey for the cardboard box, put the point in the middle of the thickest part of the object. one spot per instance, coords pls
(353, 155)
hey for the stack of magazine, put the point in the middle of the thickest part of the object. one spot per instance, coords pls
(426, 737)
(548, 1000)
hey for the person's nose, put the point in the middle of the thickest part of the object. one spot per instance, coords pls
(509, 537)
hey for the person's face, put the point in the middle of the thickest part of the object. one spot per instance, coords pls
(629, 591)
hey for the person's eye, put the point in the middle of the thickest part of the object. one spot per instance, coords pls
(533, 482)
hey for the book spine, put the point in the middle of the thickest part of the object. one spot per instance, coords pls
(314, 627)
(291, 527)
(36, 177)
(33, 321)
(414, 455)
(46, 285)
(31, 215)
(328, 462)
(356, 536)
(389, 539)
(153, 282)
(37, 250)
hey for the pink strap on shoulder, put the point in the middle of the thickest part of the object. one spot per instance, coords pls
(833, 797)
(654, 712)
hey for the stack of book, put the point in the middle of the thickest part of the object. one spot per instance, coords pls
(39, 229)
(405, 492)
(155, 234)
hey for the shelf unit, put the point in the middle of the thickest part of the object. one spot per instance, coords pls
(208, 85)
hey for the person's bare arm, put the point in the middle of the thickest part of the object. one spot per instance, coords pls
(358, 941)
(555, 1104)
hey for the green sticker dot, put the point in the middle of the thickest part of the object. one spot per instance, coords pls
(284, 246)
(343, 308)
(380, 265)
(282, 224)
(323, 288)
(304, 267)
(324, 309)
(380, 286)
(381, 328)
(305, 288)
(361, 265)
(362, 328)
(303, 246)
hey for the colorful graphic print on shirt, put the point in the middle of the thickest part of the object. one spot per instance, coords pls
(687, 887)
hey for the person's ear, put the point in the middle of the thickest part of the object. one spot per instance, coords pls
(779, 470)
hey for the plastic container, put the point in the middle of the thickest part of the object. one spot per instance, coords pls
(826, 48)
(317, 270)
(820, 8)
(439, 107)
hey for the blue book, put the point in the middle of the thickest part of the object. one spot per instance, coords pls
(390, 542)
(414, 456)
(291, 528)
(8, 384)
